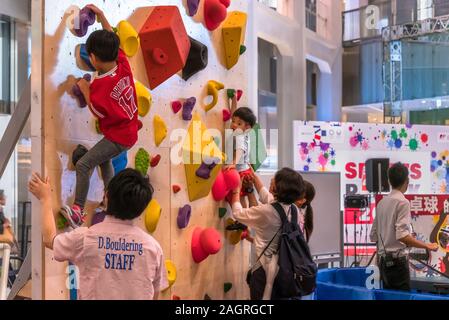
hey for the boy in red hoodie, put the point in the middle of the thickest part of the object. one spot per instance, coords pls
(111, 97)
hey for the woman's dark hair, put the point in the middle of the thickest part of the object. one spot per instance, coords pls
(289, 186)
(104, 45)
(129, 193)
(308, 217)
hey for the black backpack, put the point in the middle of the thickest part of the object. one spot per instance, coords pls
(297, 270)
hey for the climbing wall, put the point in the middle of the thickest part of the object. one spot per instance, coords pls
(65, 125)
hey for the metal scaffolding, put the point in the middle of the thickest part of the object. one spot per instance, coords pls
(393, 38)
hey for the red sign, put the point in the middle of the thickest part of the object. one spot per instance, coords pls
(425, 205)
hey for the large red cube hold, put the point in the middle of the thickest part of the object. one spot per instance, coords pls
(165, 44)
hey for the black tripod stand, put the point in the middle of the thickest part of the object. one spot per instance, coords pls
(359, 204)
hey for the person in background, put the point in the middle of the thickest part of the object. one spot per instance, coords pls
(286, 188)
(116, 259)
(4, 223)
(306, 211)
(391, 231)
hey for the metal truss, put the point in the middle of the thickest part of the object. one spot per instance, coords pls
(436, 30)
(416, 29)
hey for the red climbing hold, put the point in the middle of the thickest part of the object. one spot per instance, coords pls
(165, 44)
(175, 297)
(176, 188)
(155, 161)
(226, 115)
(176, 106)
(139, 124)
(239, 94)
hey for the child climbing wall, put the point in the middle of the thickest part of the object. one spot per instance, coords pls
(66, 125)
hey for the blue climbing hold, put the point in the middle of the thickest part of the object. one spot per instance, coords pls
(85, 57)
(120, 162)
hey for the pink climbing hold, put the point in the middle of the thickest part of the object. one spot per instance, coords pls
(225, 182)
(76, 91)
(226, 115)
(184, 214)
(232, 178)
(187, 108)
(176, 106)
(205, 242)
(215, 12)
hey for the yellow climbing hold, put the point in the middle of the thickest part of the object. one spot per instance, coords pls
(234, 29)
(213, 87)
(171, 273)
(152, 215)
(234, 237)
(144, 98)
(129, 38)
(160, 130)
(198, 146)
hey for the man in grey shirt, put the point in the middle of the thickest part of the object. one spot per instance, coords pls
(392, 232)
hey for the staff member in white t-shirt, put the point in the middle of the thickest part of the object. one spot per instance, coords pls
(392, 232)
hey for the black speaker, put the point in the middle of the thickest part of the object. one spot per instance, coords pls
(377, 175)
(357, 201)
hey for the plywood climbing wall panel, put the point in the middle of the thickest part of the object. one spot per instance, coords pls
(66, 125)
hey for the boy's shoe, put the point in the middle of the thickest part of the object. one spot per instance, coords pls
(74, 215)
(237, 226)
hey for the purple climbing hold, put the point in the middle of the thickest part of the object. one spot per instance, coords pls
(205, 169)
(193, 5)
(83, 21)
(98, 217)
(78, 94)
(187, 108)
(184, 214)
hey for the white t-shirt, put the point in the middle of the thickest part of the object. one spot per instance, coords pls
(265, 222)
(242, 142)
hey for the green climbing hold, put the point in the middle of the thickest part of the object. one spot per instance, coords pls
(258, 152)
(142, 162)
(231, 93)
(333, 162)
(413, 144)
(242, 49)
(222, 212)
(61, 222)
(227, 287)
